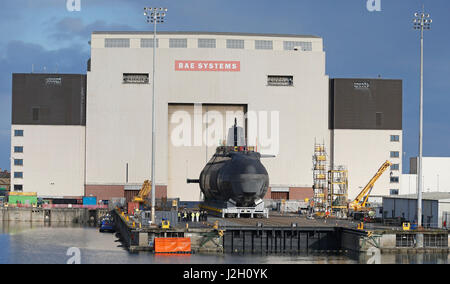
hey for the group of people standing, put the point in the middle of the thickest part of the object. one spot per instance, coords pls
(192, 216)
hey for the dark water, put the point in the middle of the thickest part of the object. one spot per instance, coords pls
(36, 243)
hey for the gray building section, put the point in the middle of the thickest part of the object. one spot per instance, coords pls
(406, 208)
(365, 104)
(49, 99)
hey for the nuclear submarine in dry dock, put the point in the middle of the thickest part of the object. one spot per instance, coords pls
(234, 174)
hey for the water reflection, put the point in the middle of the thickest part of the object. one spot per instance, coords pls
(22, 242)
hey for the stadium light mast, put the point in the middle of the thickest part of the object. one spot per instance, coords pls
(422, 22)
(154, 16)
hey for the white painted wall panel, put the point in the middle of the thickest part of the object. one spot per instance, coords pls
(53, 159)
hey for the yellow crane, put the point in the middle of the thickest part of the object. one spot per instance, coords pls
(359, 203)
(144, 192)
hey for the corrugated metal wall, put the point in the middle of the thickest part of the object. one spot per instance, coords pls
(279, 195)
(130, 194)
(407, 209)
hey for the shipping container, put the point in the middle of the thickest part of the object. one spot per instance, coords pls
(22, 199)
(132, 206)
(172, 245)
(89, 200)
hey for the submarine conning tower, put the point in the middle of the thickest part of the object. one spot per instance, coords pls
(234, 175)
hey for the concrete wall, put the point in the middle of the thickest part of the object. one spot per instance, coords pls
(363, 152)
(53, 159)
(56, 215)
(119, 115)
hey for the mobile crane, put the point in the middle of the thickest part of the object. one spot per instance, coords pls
(360, 202)
(144, 192)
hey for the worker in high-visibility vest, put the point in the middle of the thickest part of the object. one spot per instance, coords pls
(197, 216)
(179, 216)
(185, 217)
(193, 216)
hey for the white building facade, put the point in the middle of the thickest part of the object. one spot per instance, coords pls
(435, 173)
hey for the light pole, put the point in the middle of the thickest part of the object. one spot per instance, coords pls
(154, 16)
(422, 21)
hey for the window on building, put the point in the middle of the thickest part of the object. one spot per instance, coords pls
(135, 78)
(235, 43)
(35, 113)
(300, 45)
(395, 167)
(395, 154)
(178, 43)
(263, 44)
(117, 42)
(18, 187)
(395, 138)
(18, 174)
(18, 162)
(276, 80)
(206, 43)
(148, 43)
(393, 192)
(394, 179)
(18, 132)
(18, 149)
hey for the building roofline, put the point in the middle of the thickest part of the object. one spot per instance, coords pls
(202, 33)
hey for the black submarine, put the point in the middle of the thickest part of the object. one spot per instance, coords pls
(234, 176)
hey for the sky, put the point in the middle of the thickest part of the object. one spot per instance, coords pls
(358, 43)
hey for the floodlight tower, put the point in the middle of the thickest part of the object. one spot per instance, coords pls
(154, 16)
(422, 22)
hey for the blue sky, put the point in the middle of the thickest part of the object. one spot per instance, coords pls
(358, 43)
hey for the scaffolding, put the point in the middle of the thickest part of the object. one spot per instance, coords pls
(338, 191)
(320, 179)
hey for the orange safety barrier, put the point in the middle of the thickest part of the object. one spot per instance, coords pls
(172, 245)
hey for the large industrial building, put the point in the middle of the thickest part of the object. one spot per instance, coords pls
(83, 135)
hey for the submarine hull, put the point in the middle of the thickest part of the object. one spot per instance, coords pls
(237, 176)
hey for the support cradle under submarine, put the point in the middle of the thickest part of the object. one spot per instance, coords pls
(234, 181)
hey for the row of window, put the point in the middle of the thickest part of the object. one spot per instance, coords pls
(394, 167)
(143, 78)
(209, 43)
(19, 149)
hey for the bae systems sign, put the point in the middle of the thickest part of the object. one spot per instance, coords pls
(190, 65)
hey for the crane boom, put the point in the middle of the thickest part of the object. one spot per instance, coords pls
(144, 192)
(356, 203)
